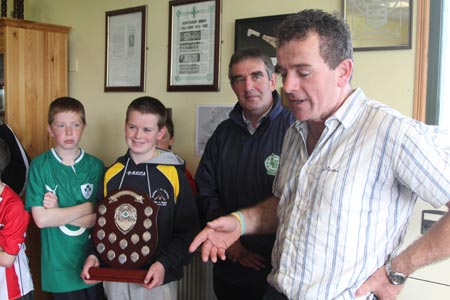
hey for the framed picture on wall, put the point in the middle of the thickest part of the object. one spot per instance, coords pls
(207, 118)
(258, 32)
(125, 50)
(380, 24)
(194, 44)
(2, 101)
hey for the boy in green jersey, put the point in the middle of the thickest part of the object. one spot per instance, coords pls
(61, 189)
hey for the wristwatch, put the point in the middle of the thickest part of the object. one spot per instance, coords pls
(394, 277)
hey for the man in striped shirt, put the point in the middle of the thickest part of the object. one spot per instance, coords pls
(350, 173)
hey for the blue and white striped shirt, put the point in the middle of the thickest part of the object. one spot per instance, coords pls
(344, 208)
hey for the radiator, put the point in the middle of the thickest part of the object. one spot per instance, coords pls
(197, 282)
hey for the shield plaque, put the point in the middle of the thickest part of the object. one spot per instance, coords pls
(125, 235)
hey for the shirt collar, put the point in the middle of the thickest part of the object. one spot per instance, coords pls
(346, 114)
(249, 124)
(58, 158)
(349, 110)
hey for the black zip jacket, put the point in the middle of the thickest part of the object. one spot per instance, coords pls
(237, 170)
(163, 179)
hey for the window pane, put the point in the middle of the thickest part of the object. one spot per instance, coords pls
(444, 93)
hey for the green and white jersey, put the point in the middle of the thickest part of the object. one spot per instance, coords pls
(64, 247)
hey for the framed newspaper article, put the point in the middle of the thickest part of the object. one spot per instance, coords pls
(125, 50)
(194, 42)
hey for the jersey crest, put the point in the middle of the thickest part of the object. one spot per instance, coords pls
(87, 190)
(271, 163)
(160, 197)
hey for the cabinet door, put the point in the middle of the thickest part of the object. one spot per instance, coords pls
(57, 59)
(36, 73)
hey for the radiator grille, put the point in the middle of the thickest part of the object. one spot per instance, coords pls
(197, 283)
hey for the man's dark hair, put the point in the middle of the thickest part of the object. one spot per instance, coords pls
(149, 105)
(250, 53)
(334, 33)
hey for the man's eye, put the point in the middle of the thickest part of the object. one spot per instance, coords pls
(303, 73)
(257, 76)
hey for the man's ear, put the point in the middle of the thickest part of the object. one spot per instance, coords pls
(273, 81)
(345, 71)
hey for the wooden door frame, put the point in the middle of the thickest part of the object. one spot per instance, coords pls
(422, 41)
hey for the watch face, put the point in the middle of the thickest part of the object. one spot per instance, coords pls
(397, 278)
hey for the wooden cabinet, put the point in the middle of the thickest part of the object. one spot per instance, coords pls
(35, 60)
(35, 71)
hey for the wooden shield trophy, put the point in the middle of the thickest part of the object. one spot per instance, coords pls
(125, 236)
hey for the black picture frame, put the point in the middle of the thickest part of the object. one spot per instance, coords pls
(258, 32)
(194, 45)
(2, 101)
(125, 45)
(385, 25)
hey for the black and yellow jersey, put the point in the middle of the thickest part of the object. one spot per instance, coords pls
(162, 178)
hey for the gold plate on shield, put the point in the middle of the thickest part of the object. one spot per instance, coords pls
(125, 236)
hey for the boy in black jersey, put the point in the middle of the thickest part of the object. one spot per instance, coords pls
(160, 175)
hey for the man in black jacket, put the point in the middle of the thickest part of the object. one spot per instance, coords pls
(238, 167)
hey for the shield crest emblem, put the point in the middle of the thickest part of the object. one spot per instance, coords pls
(86, 190)
(125, 217)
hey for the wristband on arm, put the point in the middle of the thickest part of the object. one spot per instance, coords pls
(240, 217)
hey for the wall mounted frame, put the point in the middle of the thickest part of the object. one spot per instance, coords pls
(208, 117)
(2, 101)
(258, 32)
(379, 24)
(194, 45)
(125, 49)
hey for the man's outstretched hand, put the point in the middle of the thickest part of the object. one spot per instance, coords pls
(216, 237)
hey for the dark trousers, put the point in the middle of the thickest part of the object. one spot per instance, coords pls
(273, 294)
(94, 292)
(227, 291)
(29, 296)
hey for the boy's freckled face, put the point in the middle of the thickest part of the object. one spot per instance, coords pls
(142, 134)
(67, 129)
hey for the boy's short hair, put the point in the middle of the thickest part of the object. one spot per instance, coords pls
(4, 155)
(65, 104)
(149, 105)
